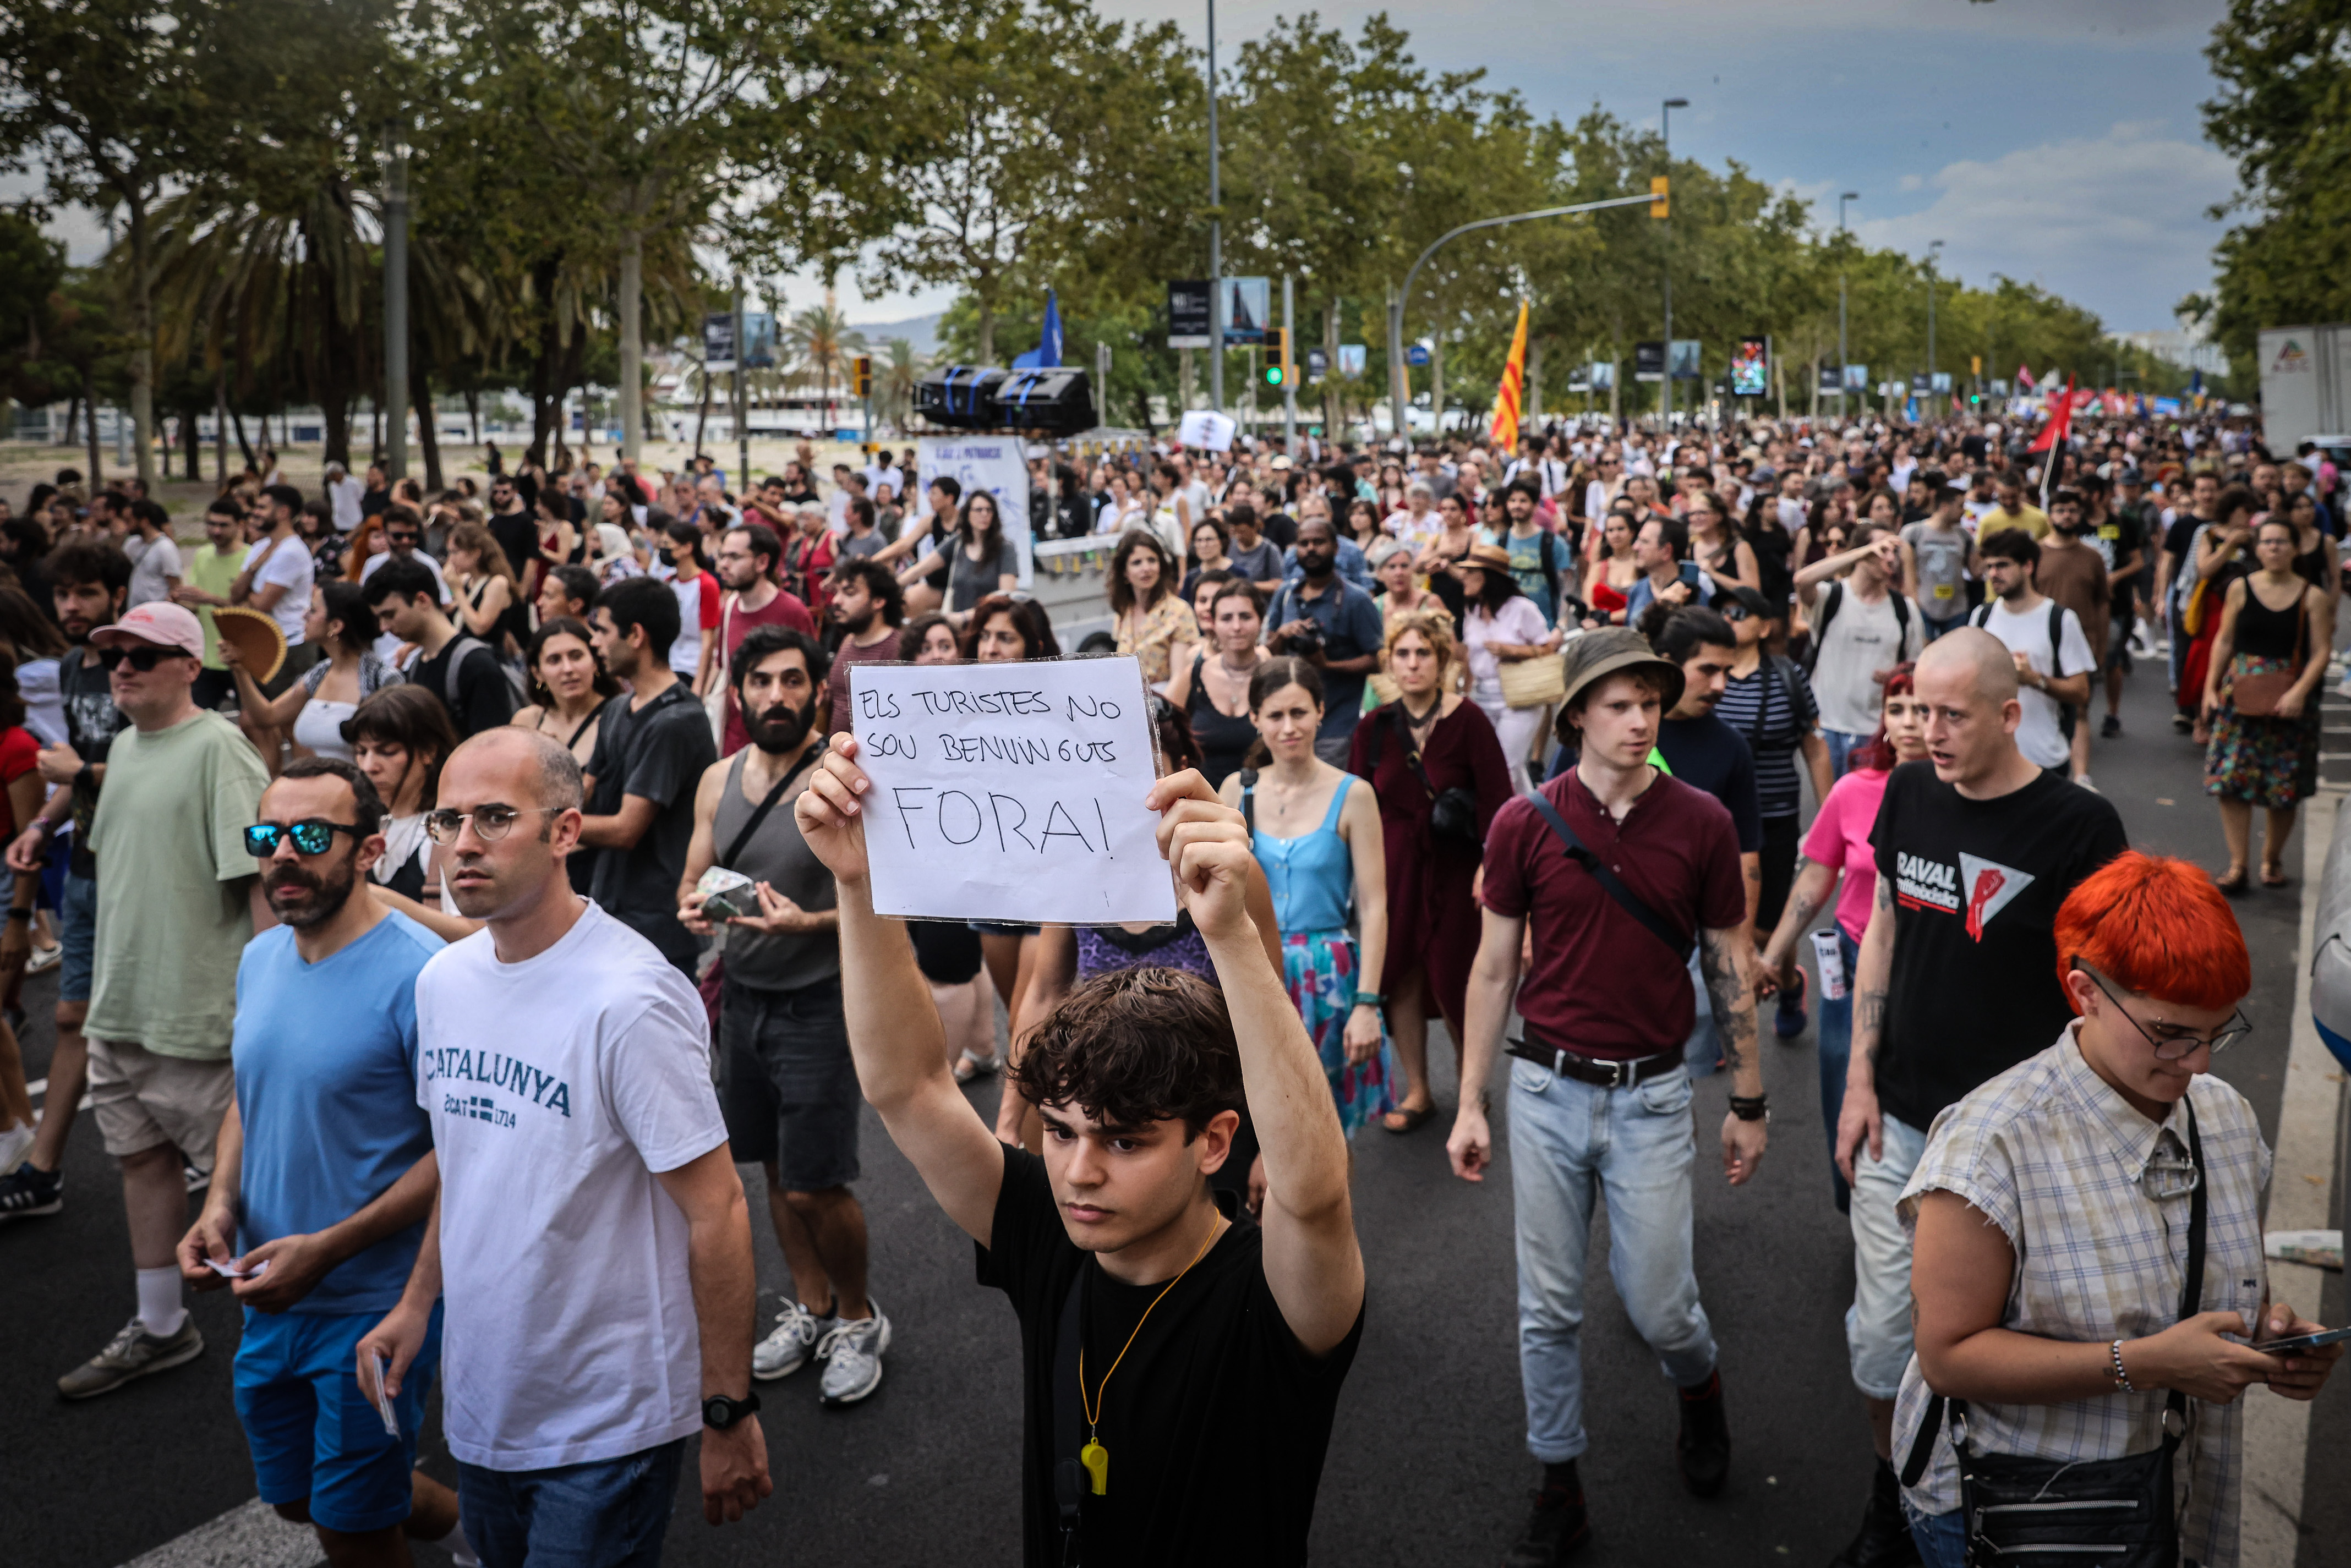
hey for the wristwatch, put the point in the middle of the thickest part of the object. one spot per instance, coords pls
(719, 1413)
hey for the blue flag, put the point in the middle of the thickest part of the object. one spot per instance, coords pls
(1047, 355)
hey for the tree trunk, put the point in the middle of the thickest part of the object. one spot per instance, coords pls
(90, 423)
(220, 427)
(420, 392)
(142, 342)
(473, 413)
(985, 296)
(193, 438)
(543, 368)
(1531, 393)
(702, 419)
(237, 421)
(633, 341)
(73, 413)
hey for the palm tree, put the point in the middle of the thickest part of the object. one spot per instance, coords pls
(894, 387)
(820, 341)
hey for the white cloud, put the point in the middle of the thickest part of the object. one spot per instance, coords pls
(1909, 182)
(2118, 219)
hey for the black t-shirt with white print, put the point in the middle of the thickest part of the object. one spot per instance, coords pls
(1976, 885)
(1217, 1420)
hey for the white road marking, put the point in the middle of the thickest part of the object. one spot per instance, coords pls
(250, 1536)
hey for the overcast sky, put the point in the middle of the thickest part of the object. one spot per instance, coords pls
(2057, 141)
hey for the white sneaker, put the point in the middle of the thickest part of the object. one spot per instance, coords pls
(2084, 782)
(853, 1357)
(14, 1143)
(791, 1347)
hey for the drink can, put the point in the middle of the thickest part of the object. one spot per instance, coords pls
(1831, 952)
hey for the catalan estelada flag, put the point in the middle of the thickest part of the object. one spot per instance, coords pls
(1510, 396)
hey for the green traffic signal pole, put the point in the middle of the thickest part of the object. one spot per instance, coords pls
(1395, 309)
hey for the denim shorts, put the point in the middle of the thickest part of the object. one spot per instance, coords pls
(313, 1433)
(608, 1513)
(786, 1084)
(78, 931)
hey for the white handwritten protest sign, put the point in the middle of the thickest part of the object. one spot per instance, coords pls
(1011, 791)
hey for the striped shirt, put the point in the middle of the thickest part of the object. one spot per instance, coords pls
(1773, 716)
(2094, 1201)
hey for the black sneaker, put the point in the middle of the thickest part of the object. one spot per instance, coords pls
(1556, 1530)
(2112, 727)
(1703, 1449)
(2182, 722)
(28, 1190)
(1885, 1541)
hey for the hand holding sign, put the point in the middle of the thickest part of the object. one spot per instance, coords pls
(1207, 843)
(1005, 791)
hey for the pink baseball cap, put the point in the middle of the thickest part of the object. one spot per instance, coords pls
(161, 623)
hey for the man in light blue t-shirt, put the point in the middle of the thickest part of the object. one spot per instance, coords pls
(325, 1176)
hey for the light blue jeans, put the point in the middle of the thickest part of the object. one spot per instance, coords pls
(1572, 1142)
(1841, 746)
(1877, 1324)
(1941, 1538)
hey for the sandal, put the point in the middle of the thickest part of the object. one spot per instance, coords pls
(2272, 877)
(2233, 883)
(1414, 1119)
(973, 1066)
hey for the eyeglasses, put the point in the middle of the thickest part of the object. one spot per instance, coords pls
(1734, 612)
(141, 659)
(311, 836)
(491, 823)
(400, 538)
(2175, 1044)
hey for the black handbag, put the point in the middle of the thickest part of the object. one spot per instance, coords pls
(2117, 1514)
(1452, 812)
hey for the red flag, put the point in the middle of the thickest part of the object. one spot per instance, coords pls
(2061, 420)
(2023, 378)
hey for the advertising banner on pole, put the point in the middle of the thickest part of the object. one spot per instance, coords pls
(1751, 367)
(718, 342)
(1187, 314)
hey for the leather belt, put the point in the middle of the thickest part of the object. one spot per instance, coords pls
(1606, 1073)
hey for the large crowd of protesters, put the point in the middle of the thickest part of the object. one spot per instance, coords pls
(448, 893)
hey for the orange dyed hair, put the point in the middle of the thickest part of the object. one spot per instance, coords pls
(2158, 927)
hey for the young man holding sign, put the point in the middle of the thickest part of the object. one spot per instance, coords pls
(1180, 1363)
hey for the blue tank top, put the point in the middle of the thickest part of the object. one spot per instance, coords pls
(1313, 876)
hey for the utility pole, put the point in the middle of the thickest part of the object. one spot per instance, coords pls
(1289, 381)
(1843, 354)
(1930, 315)
(1215, 238)
(1666, 380)
(742, 402)
(395, 311)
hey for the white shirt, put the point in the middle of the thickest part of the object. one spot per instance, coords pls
(1861, 639)
(2037, 734)
(287, 563)
(345, 496)
(559, 1088)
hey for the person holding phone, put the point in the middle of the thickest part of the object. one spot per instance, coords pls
(2087, 1160)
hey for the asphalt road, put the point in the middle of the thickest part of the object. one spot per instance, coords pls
(1427, 1465)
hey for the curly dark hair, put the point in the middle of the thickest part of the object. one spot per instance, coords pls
(1135, 1047)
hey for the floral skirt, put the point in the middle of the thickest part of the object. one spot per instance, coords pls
(1320, 968)
(2265, 762)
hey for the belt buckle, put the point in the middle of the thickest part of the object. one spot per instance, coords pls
(1620, 1075)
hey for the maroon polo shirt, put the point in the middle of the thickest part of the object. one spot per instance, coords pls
(1602, 984)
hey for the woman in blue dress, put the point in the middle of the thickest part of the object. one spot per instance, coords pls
(1318, 836)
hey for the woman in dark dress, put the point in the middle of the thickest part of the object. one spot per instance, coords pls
(1414, 750)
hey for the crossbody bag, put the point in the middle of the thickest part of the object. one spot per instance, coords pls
(2257, 696)
(2119, 1513)
(1632, 903)
(1452, 811)
(714, 981)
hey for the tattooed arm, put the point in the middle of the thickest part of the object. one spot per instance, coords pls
(1860, 1121)
(1815, 886)
(1725, 963)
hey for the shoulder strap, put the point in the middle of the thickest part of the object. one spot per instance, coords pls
(459, 651)
(2056, 640)
(1069, 1414)
(1982, 617)
(1610, 884)
(759, 812)
(1411, 751)
(1901, 617)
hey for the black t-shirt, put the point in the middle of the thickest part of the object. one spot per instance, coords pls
(1216, 1421)
(2117, 538)
(1279, 526)
(2175, 540)
(1708, 755)
(486, 698)
(92, 720)
(1977, 884)
(517, 536)
(658, 752)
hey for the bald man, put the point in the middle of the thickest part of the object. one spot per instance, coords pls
(1975, 847)
(592, 1241)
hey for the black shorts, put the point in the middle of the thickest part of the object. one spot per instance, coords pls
(786, 1086)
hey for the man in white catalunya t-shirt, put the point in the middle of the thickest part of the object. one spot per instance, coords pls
(2048, 677)
(592, 1243)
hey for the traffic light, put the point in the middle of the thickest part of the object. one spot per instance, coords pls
(1659, 205)
(862, 374)
(1277, 357)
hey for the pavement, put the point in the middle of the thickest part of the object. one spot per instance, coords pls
(1428, 1463)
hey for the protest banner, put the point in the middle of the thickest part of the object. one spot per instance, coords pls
(1011, 791)
(997, 464)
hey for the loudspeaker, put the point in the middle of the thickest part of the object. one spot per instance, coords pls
(1058, 400)
(962, 397)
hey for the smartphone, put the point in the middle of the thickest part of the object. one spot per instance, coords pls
(2302, 1341)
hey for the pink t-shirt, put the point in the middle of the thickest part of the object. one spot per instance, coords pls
(1840, 841)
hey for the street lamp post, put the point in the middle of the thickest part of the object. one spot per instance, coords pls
(1931, 249)
(396, 313)
(1843, 354)
(1216, 238)
(1397, 299)
(1666, 380)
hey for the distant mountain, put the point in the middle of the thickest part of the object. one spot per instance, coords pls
(920, 331)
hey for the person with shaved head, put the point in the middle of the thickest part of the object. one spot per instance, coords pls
(590, 1244)
(1975, 847)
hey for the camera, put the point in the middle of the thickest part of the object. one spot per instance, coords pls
(1307, 640)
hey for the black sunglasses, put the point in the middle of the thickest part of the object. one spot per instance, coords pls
(311, 836)
(143, 659)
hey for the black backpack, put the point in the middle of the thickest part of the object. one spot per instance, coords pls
(2056, 635)
(1829, 607)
